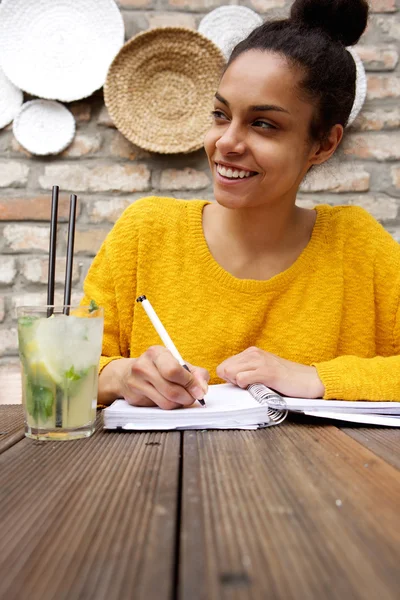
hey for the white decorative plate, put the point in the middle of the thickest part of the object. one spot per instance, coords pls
(11, 99)
(44, 127)
(361, 86)
(59, 49)
(227, 25)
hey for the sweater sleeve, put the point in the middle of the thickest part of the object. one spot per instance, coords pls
(376, 378)
(354, 378)
(99, 286)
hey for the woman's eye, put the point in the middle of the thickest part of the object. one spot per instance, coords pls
(217, 114)
(263, 125)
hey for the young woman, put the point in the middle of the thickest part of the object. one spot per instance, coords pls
(253, 288)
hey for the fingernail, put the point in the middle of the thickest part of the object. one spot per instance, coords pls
(197, 392)
(204, 385)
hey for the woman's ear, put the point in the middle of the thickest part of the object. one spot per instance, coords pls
(325, 149)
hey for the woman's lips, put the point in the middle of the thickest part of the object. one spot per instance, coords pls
(231, 181)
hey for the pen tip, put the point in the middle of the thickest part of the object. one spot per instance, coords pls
(202, 402)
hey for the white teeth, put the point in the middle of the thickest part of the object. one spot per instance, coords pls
(232, 173)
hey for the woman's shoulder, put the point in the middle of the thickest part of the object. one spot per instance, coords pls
(355, 230)
(354, 221)
(155, 211)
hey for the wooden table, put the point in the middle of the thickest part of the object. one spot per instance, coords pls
(302, 510)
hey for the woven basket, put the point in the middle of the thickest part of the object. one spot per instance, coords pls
(160, 86)
(226, 26)
(44, 127)
(11, 99)
(59, 49)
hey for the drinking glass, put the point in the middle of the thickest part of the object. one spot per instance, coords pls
(59, 349)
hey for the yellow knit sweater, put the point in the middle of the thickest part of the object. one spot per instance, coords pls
(336, 307)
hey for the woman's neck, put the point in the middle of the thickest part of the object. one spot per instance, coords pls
(257, 243)
(262, 229)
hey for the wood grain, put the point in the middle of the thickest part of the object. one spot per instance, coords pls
(11, 425)
(287, 512)
(383, 441)
(90, 519)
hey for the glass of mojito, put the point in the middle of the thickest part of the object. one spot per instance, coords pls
(60, 356)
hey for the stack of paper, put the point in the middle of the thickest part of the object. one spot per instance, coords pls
(372, 413)
(231, 408)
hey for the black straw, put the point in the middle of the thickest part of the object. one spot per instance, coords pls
(52, 250)
(70, 253)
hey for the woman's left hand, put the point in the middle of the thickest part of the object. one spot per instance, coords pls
(254, 365)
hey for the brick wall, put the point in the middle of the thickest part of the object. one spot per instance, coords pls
(108, 172)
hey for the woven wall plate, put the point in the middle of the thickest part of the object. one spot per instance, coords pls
(44, 127)
(361, 86)
(160, 87)
(11, 99)
(228, 25)
(59, 49)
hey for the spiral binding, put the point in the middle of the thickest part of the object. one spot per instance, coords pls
(276, 413)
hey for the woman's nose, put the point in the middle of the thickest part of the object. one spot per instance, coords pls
(231, 141)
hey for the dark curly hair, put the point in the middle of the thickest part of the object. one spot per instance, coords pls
(314, 38)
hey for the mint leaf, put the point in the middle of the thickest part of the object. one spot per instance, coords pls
(93, 306)
(26, 321)
(72, 374)
(40, 402)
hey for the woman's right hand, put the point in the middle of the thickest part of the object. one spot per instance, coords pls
(154, 379)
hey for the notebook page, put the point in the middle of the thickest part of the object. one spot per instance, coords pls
(219, 399)
(303, 404)
(368, 419)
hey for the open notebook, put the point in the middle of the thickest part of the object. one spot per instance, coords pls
(230, 407)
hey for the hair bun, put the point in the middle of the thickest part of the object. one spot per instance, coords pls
(343, 20)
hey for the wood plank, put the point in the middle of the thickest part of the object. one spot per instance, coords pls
(90, 519)
(285, 513)
(11, 425)
(383, 441)
(10, 383)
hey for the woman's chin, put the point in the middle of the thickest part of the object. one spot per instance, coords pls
(228, 199)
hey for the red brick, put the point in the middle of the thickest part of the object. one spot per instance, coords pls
(35, 269)
(13, 173)
(171, 19)
(378, 119)
(81, 111)
(262, 6)
(183, 179)
(89, 241)
(104, 118)
(342, 177)
(383, 5)
(383, 86)
(36, 208)
(123, 148)
(107, 210)
(98, 178)
(26, 237)
(396, 176)
(134, 3)
(8, 341)
(83, 144)
(378, 58)
(8, 269)
(378, 146)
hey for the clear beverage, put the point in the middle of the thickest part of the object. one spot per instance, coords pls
(60, 357)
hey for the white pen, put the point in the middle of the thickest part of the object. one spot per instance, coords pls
(163, 333)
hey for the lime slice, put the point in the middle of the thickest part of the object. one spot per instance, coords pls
(47, 345)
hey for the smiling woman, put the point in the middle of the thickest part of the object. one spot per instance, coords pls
(253, 288)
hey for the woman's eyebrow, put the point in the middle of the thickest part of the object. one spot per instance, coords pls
(257, 107)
